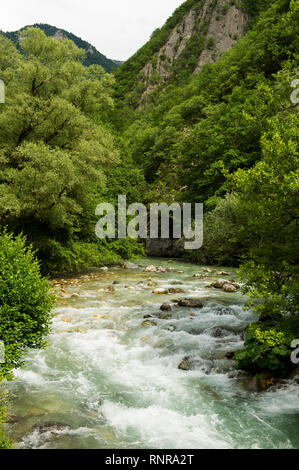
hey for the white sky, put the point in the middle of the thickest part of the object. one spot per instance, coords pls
(117, 28)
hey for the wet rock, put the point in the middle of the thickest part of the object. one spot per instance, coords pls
(116, 283)
(219, 332)
(176, 283)
(230, 354)
(222, 273)
(191, 302)
(294, 375)
(110, 289)
(219, 283)
(229, 288)
(152, 284)
(165, 316)
(186, 364)
(176, 290)
(150, 269)
(148, 323)
(147, 316)
(260, 383)
(154, 269)
(199, 276)
(166, 307)
(160, 291)
(75, 295)
(51, 427)
(130, 266)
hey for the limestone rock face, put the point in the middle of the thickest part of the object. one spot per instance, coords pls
(219, 23)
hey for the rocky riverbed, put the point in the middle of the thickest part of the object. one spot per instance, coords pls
(141, 357)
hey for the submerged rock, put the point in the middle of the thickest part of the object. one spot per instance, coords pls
(148, 323)
(166, 307)
(154, 269)
(229, 288)
(186, 364)
(160, 291)
(130, 266)
(176, 290)
(165, 316)
(52, 427)
(190, 302)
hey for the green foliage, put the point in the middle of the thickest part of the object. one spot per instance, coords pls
(265, 350)
(190, 136)
(223, 243)
(54, 150)
(24, 302)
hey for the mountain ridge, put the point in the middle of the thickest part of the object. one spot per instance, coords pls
(93, 56)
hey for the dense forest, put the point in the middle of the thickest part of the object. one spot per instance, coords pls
(72, 136)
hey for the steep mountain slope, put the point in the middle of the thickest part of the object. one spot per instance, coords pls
(190, 136)
(197, 33)
(93, 56)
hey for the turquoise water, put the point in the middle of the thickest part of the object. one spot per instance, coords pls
(107, 381)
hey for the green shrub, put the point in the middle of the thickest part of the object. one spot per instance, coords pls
(24, 302)
(266, 349)
(74, 256)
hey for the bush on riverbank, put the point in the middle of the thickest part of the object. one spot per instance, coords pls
(25, 303)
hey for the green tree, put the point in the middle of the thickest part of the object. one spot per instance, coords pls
(25, 303)
(54, 151)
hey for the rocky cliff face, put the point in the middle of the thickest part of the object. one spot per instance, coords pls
(205, 32)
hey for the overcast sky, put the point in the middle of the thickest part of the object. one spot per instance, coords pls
(117, 28)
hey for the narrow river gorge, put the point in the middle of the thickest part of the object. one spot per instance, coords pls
(110, 377)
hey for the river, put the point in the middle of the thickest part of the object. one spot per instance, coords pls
(108, 381)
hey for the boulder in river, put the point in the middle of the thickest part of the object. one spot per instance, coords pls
(154, 269)
(176, 290)
(52, 426)
(225, 285)
(130, 266)
(165, 316)
(229, 288)
(148, 323)
(186, 364)
(160, 291)
(191, 302)
(166, 307)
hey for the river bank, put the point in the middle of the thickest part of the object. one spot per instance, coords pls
(120, 372)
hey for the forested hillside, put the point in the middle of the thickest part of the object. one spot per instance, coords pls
(92, 55)
(227, 136)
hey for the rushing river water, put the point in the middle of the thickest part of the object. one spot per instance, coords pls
(107, 381)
